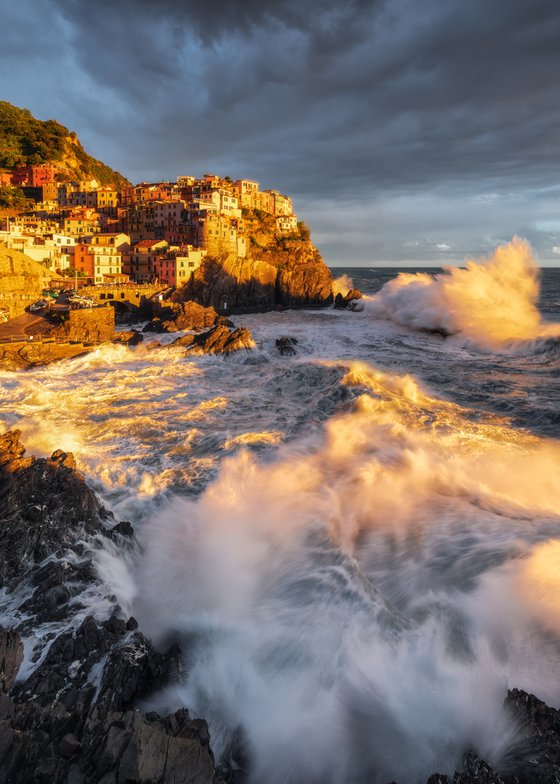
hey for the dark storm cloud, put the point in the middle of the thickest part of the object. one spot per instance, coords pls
(357, 101)
(396, 93)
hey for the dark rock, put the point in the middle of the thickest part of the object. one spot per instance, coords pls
(353, 294)
(124, 528)
(182, 316)
(339, 301)
(69, 746)
(126, 747)
(46, 507)
(348, 300)
(476, 771)
(72, 718)
(218, 340)
(133, 669)
(535, 756)
(11, 657)
(129, 337)
(286, 345)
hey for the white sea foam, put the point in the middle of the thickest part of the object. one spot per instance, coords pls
(490, 304)
(363, 577)
(348, 604)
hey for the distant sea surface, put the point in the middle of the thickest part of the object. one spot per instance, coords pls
(357, 547)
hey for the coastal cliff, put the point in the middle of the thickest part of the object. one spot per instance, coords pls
(277, 271)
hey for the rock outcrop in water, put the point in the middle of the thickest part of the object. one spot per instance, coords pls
(71, 716)
(218, 340)
(177, 316)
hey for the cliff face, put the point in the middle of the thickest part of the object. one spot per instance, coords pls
(277, 271)
(25, 140)
(21, 281)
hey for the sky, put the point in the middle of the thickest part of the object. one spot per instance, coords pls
(406, 132)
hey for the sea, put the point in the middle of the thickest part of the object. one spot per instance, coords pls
(356, 546)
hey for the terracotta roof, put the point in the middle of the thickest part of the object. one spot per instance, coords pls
(148, 243)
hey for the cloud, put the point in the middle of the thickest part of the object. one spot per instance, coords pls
(354, 102)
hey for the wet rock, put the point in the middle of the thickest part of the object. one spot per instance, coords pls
(348, 300)
(69, 746)
(124, 528)
(130, 337)
(179, 316)
(535, 756)
(218, 340)
(127, 747)
(133, 669)
(46, 507)
(286, 346)
(11, 657)
(476, 771)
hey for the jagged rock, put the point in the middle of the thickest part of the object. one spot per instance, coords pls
(178, 316)
(11, 657)
(191, 315)
(286, 345)
(124, 528)
(218, 340)
(347, 300)
(46, 506)
(535, 757)
(476, 771)
(130, 337)
(127, 747)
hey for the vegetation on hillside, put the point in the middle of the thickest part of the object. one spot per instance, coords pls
(26, 141)
(14, 199)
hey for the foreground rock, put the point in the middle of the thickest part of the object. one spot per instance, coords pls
(72, 717)
(218, 340)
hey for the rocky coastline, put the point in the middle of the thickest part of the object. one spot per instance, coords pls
(69, 707)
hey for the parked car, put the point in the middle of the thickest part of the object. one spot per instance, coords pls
(41, 304)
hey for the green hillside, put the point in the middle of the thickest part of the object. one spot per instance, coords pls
(25, 140)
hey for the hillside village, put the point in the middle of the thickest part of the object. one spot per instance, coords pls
(147, 233)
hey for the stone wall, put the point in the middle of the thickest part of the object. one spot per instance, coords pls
(21, 281)
(89, 325)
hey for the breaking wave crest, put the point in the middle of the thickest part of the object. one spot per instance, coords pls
(355, 607)
(491, 304)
